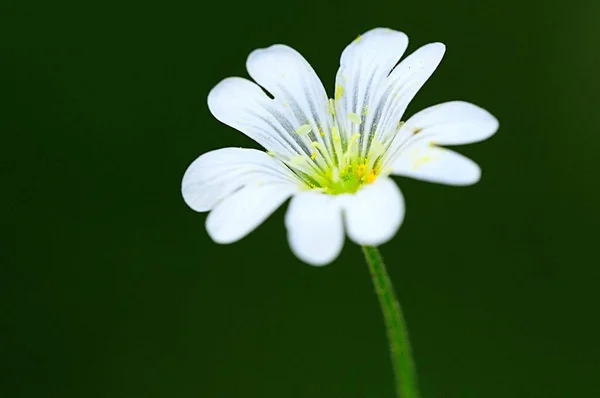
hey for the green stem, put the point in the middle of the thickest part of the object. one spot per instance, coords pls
(400, 352)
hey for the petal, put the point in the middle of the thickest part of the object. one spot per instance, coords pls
(374, 214)
(364, 65)
(315, 230)
(453, 123)
(294, 85)
(435, 164)
(401, 86)
(243, 105)
(216, 174)
(239, 214)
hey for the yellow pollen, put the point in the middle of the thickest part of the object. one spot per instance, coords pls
(304, 129)
(358, 38)
(354, 118)
(339, 91)
(370, 177)
(360, 170)
(321, 133)
(313, 155)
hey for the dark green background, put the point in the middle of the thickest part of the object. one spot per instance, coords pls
(110, 286)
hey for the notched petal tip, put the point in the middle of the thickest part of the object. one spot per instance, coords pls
(375, 213)
(384, 32)
(454, 123)
(243, 211)
(314, 228)
(218, 174)
(255, 63)
(273, 49)
(231, 88)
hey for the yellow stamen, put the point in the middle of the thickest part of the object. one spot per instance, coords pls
(339, 92)
(298, 159)
(304, 129)
(354, 118)
(370, 177)
(360, 170)
(334, 134)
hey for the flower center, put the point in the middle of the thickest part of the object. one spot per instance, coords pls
(337, 157)
(350, 179)
(339, 167)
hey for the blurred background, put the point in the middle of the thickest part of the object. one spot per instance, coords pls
(110, 286)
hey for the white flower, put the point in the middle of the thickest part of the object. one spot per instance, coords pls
(332, 156)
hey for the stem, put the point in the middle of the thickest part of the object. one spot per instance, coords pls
(400, 352)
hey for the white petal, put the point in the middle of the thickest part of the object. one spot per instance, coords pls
(243, 105)
(216, 174)
(294, 85)
(364, 65)
(453, 123)
(243, 211)
(403, 84)
(374, 214)
(315, 230)
(435, 164)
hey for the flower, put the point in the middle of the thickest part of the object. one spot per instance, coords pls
(333, 157)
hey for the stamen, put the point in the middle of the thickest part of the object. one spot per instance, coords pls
(354, 118)
(331, 107)
(298, 159)
(304, 129)
(335, 174)
(337, 146)
(339, 92)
